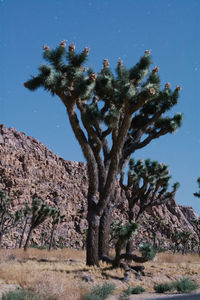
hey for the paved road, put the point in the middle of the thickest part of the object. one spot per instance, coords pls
(180, 297)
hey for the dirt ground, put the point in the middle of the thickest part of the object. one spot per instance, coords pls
(64, 275)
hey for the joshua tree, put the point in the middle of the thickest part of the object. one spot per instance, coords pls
(111, 117)
(185, 236)
(39, 213)
(198, 194)
(147, 186)
(26, 215)
(196, 224)
(181, 238)
(56, 219)
(121, 233)
(8, 218)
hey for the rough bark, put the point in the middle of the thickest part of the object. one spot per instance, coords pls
(118, 249)
(92, 255)
(104, 231)
(22, 236)
(51, 238)
(28, 238)
(1, 236)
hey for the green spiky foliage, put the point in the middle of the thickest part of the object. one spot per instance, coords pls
(147, 185)
(57, 218)
(123, 231)
(39, 213)
(196, 225)
(148, 252)
(181, 240)
(121, 234)
(8, 219)
(185, 236)
(198, 193)
(111, 116)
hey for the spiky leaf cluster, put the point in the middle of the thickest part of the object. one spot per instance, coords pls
(57, 217)
(147, 251)
(123, 231)
(8, 218)
(40, 212)
(147, 184)
(198, 193)
(65, 73)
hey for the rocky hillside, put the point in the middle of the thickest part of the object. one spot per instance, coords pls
(28, 167)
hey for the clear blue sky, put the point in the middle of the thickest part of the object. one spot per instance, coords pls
(112, 29)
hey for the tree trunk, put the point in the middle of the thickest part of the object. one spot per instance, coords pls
(22, 236)
(28, 238)
(92, 255)
(51, 238)
(118, 249)
(104, 231)
(1, 236)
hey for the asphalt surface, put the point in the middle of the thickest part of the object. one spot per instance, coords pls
(180, 297)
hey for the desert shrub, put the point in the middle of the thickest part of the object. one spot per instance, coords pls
(185, 285)
(163, 287)
(40, 247)
(100, 292)
(21, 294)
(147, 251)
(130, 290)
(138, 290)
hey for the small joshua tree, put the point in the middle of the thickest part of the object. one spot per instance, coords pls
(147, 186)
(121, 233)
(39, 213)
(181, 239)
(198, 193)
(196, 224)
(8, 218)
(56, 219)
(26, 215)
(185, 236)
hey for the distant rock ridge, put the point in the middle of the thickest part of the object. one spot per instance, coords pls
(28, 167)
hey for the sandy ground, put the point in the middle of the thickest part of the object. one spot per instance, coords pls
(62, 273)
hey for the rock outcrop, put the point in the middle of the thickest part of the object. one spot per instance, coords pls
(28, 167)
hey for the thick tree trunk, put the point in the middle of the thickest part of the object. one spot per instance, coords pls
(1, 236)
(104, 231)
(92, 255)
(28, 238)
(118, 249)
(22, 236)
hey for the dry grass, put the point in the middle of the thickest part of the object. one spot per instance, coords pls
(58, 273)
(177, 258)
